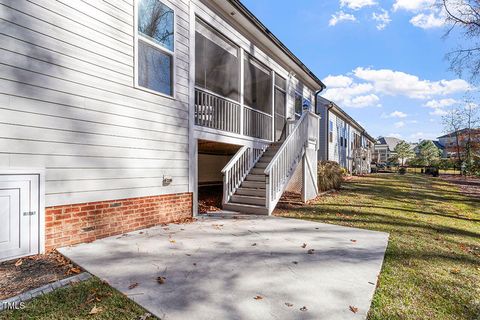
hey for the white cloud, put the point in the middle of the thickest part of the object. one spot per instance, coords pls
(394, 135)
(365, 101)
(394, 83)
(428, 21)
(413, 5)
(438, 112)
(341, 16)
(356, 4)
(442, 103)
(337, 81)
(399, 124)
(397, 114)
(382, 18)
(422, 135)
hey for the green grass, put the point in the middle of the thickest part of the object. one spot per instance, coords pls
(432, 264)
(76, 302)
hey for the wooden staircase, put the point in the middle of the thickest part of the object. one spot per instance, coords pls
(251, 195)
(255, 178)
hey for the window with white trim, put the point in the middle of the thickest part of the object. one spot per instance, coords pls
(155, 46)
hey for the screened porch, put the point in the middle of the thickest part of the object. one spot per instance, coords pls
(234, 92)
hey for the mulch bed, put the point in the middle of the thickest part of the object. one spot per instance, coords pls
(20, 275)
(210, 199)
(468, 185)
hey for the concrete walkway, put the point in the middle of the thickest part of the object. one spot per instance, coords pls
(237, 267)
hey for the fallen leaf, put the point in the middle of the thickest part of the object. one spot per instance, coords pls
(295, 262)
(258, 297)
(95, 310)
(161, 280)
(353, 309)
(194, 264)
(18, 263)
(455, 271)
(288, 304)
(353, 240)
(311, 251)
(303, 308)
(145, 316)
(253, 245)
(304, 245)
(172, 241)
(133, 285)
(74, 270)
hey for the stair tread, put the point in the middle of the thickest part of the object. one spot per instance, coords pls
(248, 196)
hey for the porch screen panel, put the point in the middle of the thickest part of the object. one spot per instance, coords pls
(217, 65)
(280, 106)
(257, 86)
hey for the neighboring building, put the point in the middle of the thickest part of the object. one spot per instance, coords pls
(449, 142)
(385, 149)
(114, 112)
(343, 139)
(416, 150)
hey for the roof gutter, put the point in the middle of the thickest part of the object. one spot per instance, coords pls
(248, 14)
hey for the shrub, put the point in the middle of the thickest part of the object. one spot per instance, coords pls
(402, 170)
(330, 176)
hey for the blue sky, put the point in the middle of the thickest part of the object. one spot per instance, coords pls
(383, 61)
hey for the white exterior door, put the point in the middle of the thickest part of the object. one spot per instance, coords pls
(19, 216)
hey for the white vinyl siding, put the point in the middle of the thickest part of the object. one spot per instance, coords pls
(68, 101)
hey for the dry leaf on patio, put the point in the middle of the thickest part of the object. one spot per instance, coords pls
(295, 262)
(18, 263)
(172, 241)
(288, 304)
(258, 297)
(133, 285)
(304, 245)
(353, 309)
(95, 310)
(161, 280)
(253, 245)
(74, 270)
(352, 240)
(311, 251)
(303, 308)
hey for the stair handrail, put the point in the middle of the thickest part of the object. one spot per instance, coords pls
(290, 152)
(238, 168)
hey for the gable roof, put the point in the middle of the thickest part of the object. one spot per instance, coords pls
(391, 142)
(452, 134)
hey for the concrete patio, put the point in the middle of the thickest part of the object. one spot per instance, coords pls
(242, 267)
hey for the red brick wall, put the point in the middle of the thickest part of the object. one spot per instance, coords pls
(86, 222)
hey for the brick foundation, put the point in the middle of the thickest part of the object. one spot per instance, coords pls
(86, 222)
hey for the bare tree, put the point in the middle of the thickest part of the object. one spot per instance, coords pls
(452, 124)
(464, 16)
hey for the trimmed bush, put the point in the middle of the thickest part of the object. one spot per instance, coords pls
(330, 176)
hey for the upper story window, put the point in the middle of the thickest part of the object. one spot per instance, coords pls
(217, 63)
(257, 85)
(298, 104)
(155, 46)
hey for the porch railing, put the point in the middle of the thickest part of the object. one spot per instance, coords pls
(281, 167)
(238, 168)
(215, 112)
(257, 124)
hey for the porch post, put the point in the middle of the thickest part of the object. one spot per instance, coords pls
(242, 86)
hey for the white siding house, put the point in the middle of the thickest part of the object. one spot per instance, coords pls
(104, 104)
(343, 140)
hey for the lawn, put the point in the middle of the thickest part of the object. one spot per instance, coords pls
(92, 299)
(432, 265)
